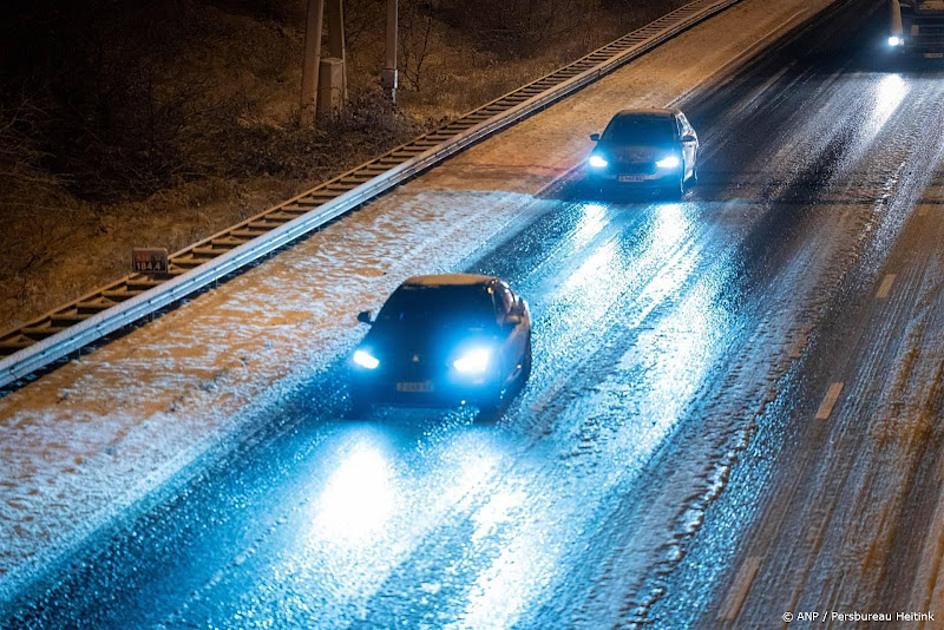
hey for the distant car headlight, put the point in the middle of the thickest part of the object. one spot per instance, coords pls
(671, 161)
(473, 362)
(366, 360)
(895, 41)
(598, 161)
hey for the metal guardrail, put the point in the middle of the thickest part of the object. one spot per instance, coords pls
(104, 311)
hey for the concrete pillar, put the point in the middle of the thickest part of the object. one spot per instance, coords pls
(334, 16)
(897, 28)
(330, 87)
(312, 63)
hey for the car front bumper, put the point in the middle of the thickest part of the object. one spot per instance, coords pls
(434, 392)
(658, 179)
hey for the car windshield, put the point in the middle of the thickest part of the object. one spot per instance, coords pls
(640, 130)
(439, 306)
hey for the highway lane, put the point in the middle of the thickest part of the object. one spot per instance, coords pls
(682, 351)
(828, 505)
(92, 438)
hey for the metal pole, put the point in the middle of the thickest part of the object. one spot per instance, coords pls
(334, 13)
(313, 27)
(389, 77)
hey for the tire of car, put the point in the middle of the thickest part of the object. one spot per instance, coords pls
(525, 365)
(359, 405)
(490, 411)
(488, 415)
(675, 193)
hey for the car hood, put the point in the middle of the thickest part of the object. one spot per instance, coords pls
(638, 153)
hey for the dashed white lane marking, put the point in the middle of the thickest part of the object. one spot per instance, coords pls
(796, 349)
(885, 288)
(739, 589)
(826, 407)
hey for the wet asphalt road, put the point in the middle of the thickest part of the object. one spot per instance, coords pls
(664, 464)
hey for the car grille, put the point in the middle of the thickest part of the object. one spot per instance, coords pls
(636, 168)
(409, 370)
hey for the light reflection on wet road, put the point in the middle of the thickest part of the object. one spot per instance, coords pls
(671, 340)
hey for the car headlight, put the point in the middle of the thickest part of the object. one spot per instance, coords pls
(597, 161)
(671, 161)
(366, 360)
(895, 40)
(473, 362)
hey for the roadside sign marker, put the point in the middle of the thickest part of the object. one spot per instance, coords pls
(149, 260)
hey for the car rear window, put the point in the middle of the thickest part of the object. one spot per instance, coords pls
(439, 306)
(640, 130)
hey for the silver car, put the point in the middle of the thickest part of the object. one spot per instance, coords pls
(645, 148)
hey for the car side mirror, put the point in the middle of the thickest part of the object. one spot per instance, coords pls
(689, 138)
(595, 137)
(364, 318)
(512, 320)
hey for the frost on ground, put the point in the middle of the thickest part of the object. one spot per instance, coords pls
(88, 439)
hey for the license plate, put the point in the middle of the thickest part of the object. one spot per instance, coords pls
(415, 388)
(934, 55)
(631, 179)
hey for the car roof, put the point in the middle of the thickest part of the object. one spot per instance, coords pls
(449, 280)
(653, 112)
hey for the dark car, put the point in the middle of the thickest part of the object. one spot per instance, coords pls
(651, 148)
(444, 340)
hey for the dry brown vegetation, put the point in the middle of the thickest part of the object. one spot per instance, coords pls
(153, 124)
